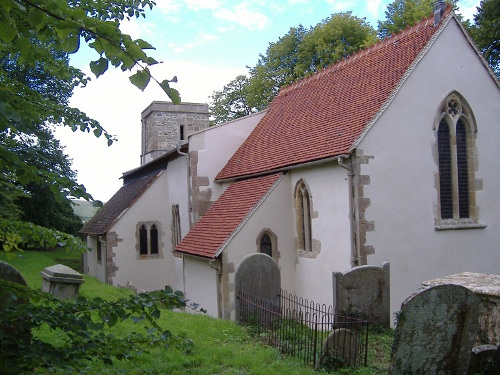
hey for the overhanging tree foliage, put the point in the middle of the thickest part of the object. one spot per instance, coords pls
(486, 32)
(297, 54)
(403, 13)
(36, 82)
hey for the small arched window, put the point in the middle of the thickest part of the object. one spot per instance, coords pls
(154, 239)
(143, 240)
(266, 246)
(303, 211)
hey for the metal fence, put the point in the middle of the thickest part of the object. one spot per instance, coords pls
(312, 332)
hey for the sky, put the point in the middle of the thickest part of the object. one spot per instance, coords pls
(206, 44)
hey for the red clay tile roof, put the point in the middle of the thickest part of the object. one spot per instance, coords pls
(324, 115)
(226, 216)
(117, 205)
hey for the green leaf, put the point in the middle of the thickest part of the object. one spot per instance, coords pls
(143, 44)
(173, 94)
(99, 67)
(37, 18)
(71, 44)
(141, 78)
(7, 32)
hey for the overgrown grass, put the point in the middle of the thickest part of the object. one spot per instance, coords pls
(219, 346)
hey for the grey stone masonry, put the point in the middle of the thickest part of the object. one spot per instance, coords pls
(165, 126)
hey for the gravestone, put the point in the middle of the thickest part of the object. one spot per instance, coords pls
(257, 275)
(61, 281)
(365, 289)
(17, 326)
(435, 331)
(340, 349)
(9, 273)
(482, 358)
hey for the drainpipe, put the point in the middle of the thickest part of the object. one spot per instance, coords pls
(218, 273)
(350, 177)
(190, 207)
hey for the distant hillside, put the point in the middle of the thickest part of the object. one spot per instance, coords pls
(84, 209)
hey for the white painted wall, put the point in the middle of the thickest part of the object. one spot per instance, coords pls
(217, 144)
(154, 205)
(90, 264)
(330, 226)
(201, 284)
(401, 188)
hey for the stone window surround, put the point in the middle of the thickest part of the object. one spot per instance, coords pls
(460, 111)
(148, 225)
(274, 242)
(315, 246)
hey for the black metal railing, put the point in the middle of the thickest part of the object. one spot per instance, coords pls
(314, 333)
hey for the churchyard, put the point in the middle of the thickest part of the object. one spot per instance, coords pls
(219, 346)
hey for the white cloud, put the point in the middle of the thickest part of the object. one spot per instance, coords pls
(117, 105)
(467, 9)
(200, 39)
(375, 8)
(197, 5)
(343, 5)
(242, 15)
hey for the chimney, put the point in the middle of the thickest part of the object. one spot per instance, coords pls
(438, 11)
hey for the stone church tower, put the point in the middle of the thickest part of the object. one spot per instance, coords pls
(165, 126)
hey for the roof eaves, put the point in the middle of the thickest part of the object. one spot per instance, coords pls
(247, 217)
(106, 228)
(405, 76)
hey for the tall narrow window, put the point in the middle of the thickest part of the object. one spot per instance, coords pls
(445, 177)
(99, 250)
(176, 226)
(266, 245)
(143, 240)
(462, 170)
(182, 136)
(154, 239)
(303, 211)
(456, 185)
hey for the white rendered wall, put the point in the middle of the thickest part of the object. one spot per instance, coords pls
(90, 264)
(274, 214)
(330, 226)
(154, 205)
(217, 144)
(402, 174)
(201, 284)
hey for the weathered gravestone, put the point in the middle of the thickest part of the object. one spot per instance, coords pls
(365, 289)
(15, 326)
(482, 358)
(435, 331)
(61, 281)
(257, 275)
(340, 349)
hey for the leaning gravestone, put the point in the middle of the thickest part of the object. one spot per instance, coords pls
(339, 349)
(16, 326)
(257, 275)
(436, 330)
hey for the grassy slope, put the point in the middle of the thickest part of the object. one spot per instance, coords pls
(219, 346)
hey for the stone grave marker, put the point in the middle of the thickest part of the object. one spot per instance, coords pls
(340, 349)
(9, 273)
(436, 330)
(365, 289)
(257, 275)
(61, 281)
